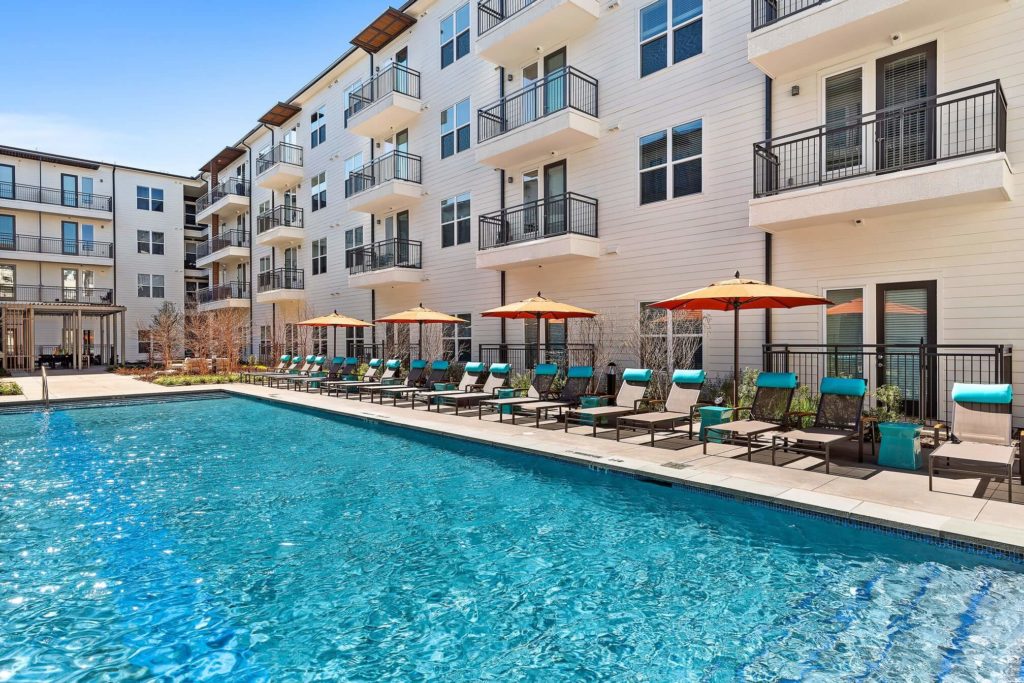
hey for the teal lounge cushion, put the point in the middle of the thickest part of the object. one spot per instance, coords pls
(500, 368)
(839, 386)
(983, 393)
(419, 364)
(546, 369)
(581, 371)
(475, 367)
(337, 360)
(439, 365)
(375, 362)
(776, 380)
(351, 360)
(319, 360)
(636, 375)
(310, 359)
(285, 358)
(688, 377)
(394, 364)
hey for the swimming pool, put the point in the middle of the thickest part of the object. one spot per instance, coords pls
(238, 538)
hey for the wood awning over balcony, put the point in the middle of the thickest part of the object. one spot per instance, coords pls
(279, 114)
(222, 159)
(383, 30)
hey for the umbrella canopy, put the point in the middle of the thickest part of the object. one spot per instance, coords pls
(335, 320)
(537, 307)
(420, 314)
(735, 295)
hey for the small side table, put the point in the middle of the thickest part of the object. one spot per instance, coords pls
(711, 416)
(901, 445)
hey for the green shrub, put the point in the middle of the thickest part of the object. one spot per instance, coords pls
(10, 389)
(192, 380)
(888, 404)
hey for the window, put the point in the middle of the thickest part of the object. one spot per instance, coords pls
(264, 264)
(843, 107)
(317, 128)
(353, 239)
(354, 99)
(455, 129)
(291, 337)
(354, 340)
(145, 286)
(266, 341)
(149, 198)
(455, 221)
(672, 339)
(263, 208)
(683, 160)
(158, 286)
(69, 237)
(149, 242)
(455, 36)
(352, 183)
(190, 213)
(458, 339)
(318, 190)
(240, 222)
(686, 34)
(320, 256)
(320, 341)
(6, 282)
(7, 240)
(151, 286)
(145, 346)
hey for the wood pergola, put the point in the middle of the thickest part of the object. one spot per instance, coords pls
(20, 347)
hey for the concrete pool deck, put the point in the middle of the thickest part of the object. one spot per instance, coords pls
(963, 509)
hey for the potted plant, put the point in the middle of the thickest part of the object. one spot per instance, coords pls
(901, 438)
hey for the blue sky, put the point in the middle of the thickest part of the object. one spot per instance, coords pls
(162, 85)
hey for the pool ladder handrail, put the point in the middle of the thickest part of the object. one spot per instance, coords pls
(46, 387)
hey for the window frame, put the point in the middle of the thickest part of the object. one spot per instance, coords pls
(456, 128)
(453, 223)
(670, 334)
(318, 127)
(318, 249)
(318, 197)
(669, 164)
(669, 34)
(458, 334)
(145, 285)
(456, 35)
(150, 244)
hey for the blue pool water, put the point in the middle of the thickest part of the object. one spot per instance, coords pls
(242, 541)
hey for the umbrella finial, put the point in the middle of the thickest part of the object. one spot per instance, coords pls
(420, 304)
(737, 275)
(538, 293)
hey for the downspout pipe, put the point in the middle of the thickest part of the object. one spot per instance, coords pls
(501, 199)
(252, 301)
(768, 235)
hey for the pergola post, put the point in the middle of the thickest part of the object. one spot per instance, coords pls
(122, 337)
(79, 333)
(30, 339)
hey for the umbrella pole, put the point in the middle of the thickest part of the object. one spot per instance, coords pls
(420, 342)
(335, 341)
(736, 357)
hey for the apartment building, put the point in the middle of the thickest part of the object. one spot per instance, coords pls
(88, 250)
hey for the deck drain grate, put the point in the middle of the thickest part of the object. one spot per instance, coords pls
(676, 465)
(595, 456)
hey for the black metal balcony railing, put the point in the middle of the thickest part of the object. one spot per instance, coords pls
(563, 214)
(281, 153)
(227, 290)
(766, 12)
(566, 88)
(236, 186)
(394, 78)
(524, 357)
(230, 238)
(190, 261)
(394, 165)
(953, 125)
(393, 253)
(50, 195)
(279, 216)
(280, 278)
(490, 13)
(56, 294)
(56, 245)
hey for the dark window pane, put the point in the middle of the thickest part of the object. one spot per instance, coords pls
(686, 178)
(688, 41)
(463, 138)
(142, 204)
(462, 45)
(448, 235)
(464, 231)
(447, 54)
(653, 19)
(654, 56)
(447, 145)
(686, 141)
(652, 186)
(653, 149)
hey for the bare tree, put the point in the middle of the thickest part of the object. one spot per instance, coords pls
(166, 333)
(230, 333)
(200, 339)
(650, 343)
(432, 343)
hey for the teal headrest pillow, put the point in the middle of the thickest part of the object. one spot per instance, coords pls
(776, 380)
(580, 371)
(546, 369)
(636, 375)
(351, 360)
(983, 393)
(475, 367)
(285, 358)
(500, 368)
(394, 364)
(688, 377)
(419, 364)
(439, 365)
(843, 386)
(375, 362)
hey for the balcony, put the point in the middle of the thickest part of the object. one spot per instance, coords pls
(388, 263)
(231, 246)
(48, 294)
(56, 250)
(934, 152)
(225, 199)
(556, 114)
(790, 35)
(65, 203)
(509, 31)
(387, 103)
(280, 167)
(281, 226)
(280, 285)
(549, 230)
(388, 183)
(226, 295)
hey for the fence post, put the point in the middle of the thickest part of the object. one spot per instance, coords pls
(923, 379)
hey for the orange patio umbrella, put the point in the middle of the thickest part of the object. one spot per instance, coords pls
(420, 314)
(735, 295)
(538, 308)
(335, 320)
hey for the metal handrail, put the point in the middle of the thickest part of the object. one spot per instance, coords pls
(51, 195)
(282, 152)
(56, 245)
(563, 214)
(279, 216)
(235, 186)
(767, 12)
(46, 386)
(223, 240)
(392, 253)
(280, 278)
(392, 78)
(395, 165)
(490, 13)
(565, 88)
(226, 290)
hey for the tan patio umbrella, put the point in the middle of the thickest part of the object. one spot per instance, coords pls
(420, 315)
(735, 295)
(335, 320)
(538, 308)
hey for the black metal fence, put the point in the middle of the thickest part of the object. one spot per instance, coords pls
(949, 126)
(56, 294)
(280, 278)
(56, 245)
(236, 186)
(279, 216)
(524, 357)
(393, 78)
(226, 290)
(281, 153)
(51, 195)
(924, 372)
(490, 13)
(393, 253)
(394, 165)
(568, 213)
(565, 88)
(403, 351)
(229, 238)
(766, 12)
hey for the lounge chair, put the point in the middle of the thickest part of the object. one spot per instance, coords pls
(679, 407)
(339, 368)
(631, 395)
(417, 370)
(282, 364)
(497, 378)
(292, 367)
(838, 418)
(314, 371)
(388, 376)
(540, 388)
(577, 383)
(373, 370)
(472, 379)
(981, 433)
(438, 373)
(769, 412)
(275, 380)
